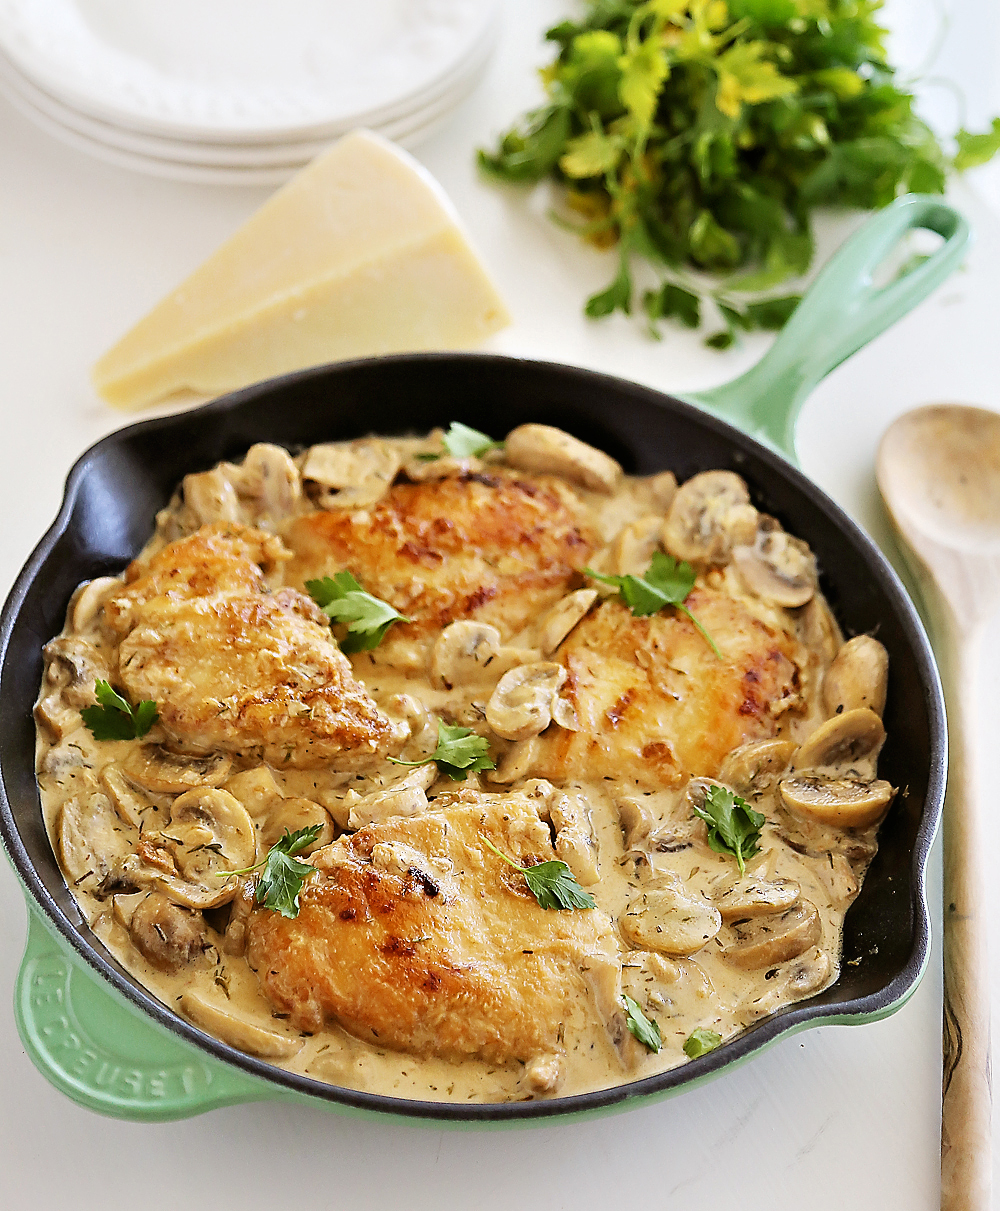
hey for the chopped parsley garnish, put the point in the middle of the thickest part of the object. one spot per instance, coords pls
(282, 876)
(114, 719)
(552, 884)
(342, 599)
(733, 826)
(459, 751)
(701, 137)
(463, 442)
(646, 1030)
(701, 1042)
(666, 582)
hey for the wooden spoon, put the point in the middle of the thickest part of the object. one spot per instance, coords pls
(939, 474)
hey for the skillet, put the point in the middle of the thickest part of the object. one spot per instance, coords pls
(108, 1043)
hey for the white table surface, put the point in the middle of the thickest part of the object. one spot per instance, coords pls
(837, 1117)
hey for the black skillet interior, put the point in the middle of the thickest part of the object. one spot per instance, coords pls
(116, 488)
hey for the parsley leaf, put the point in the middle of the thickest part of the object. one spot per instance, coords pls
(114, 719)
(667, 582)
(701, 1042)
(462, 442)
(282, 877)
(646, 1030)
(552, 884)
(733, 826)
(459, 751)
(341, 598)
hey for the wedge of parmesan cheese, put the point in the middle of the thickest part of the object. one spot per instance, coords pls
(361, 253)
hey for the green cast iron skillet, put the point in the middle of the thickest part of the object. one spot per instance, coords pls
(106, 1042)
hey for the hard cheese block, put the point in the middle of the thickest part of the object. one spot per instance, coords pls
(361, 253)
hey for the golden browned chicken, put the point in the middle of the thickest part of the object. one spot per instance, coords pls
(232, 665)
(416, 936)
(499, 547)
(655, 704)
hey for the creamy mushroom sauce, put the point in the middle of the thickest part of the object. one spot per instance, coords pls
(647, 841)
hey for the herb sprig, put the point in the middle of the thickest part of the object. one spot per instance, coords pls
(461, 441)
(114, 719)
(733, 826)
(701, 1042)
(459, 752)
(343, 599)
(702, 136)
(646, 1030)
(282, 875)
(552, 884)
(666, 582)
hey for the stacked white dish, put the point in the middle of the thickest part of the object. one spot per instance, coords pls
(238, 91)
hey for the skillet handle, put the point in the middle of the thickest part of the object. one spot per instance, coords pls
(104, 1054)
(841, 312)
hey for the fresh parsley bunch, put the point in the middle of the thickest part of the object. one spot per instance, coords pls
(702, 134)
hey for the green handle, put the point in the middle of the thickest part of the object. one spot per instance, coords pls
(840, 312)
(104, 1053)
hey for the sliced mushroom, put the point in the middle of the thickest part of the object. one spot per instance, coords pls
(667, 918)
(710, 515)
(846, 745)
(839, 802)
(543, 1073)
(521, 704)
(755, 897)
(235, 940)
(210, 496)
(818, 630)
(467, 653)
(350, 475)
(636, 818)
(422, 470)
(237, 1031)
(662, 489)
(518, 762)
(156, 768)
(546, 450)
(295, 814)
(777, 567)
(134, 808)
(839, 879)
(563, 617)
(72, 665)
(575, 842)
(767, 941)
(271, 478)
(256, 789)
(91, 838)
(667, 987)
(209, 834)
(858, 677)
(564, 714)
(754, 768)
(602, 974)
(633, 548)
(87, 601)
(165, 934)
(407, 797)
(806, 974)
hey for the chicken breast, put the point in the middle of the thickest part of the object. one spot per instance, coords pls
(233, 665)
(655, 705)
(499, 547)
(416, 936)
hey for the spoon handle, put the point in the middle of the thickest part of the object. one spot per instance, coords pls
(966, 1104)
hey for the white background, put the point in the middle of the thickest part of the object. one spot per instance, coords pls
(837, 1117)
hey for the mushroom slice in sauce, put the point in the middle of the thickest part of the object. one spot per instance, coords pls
(271, 479)
(803, 975)
(858, 677)
(350, 475)
(667, 918)
(292, 815)
(165, 934)
(156, 768)
(86, 602)
(468, 652)
(770, 940)
(521, 704)
(848, 744)
(709, 515)
(753, 769)
(841, 802)
(210, 496)
(546, 450)
(407, 797)
(777, 568)
(755, 897)
(518, 762)
(563, 617)
(635, 544)
(236, 1030)
(134, 808)
(91, 838)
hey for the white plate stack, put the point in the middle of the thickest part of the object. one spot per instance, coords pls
(238, 91)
